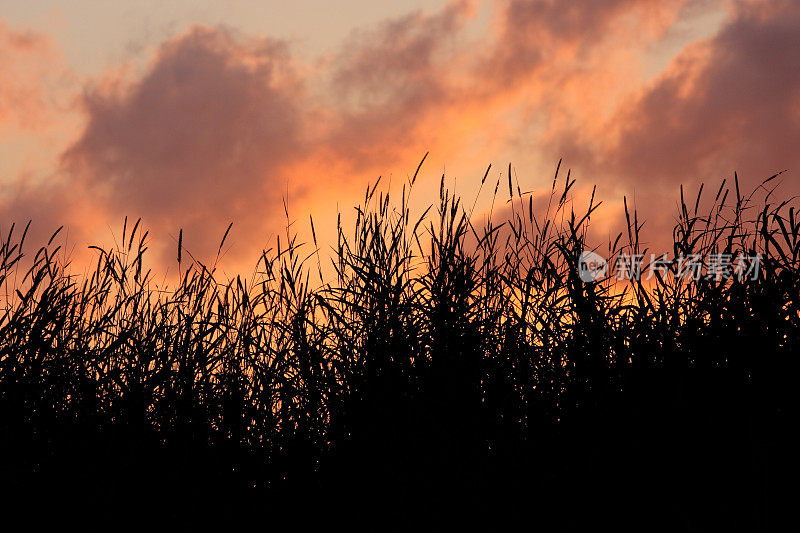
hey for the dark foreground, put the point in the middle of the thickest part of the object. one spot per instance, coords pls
(447, 376)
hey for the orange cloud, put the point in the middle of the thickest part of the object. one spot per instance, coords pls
(387, 83)
(219, 126)
(35, 91)
(205, 137)
(722, 105)
(24, 58)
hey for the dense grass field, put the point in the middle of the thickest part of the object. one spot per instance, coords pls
(452, 371)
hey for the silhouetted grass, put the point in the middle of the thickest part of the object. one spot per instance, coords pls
(448, 374)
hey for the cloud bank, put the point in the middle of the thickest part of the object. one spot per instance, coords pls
(219, 126)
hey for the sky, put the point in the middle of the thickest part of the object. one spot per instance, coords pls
(193, 115)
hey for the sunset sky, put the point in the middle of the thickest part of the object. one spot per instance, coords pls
(196, 114)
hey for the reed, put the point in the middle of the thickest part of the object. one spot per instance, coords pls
(447, 371)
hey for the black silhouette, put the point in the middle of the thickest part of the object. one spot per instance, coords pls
(449, 376)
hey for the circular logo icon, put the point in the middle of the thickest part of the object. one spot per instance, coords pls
(591, 266)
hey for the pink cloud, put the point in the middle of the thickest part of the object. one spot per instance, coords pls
(389, 82)
(727, 103)
(203, 138)
(29, 62)
(219, 126)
